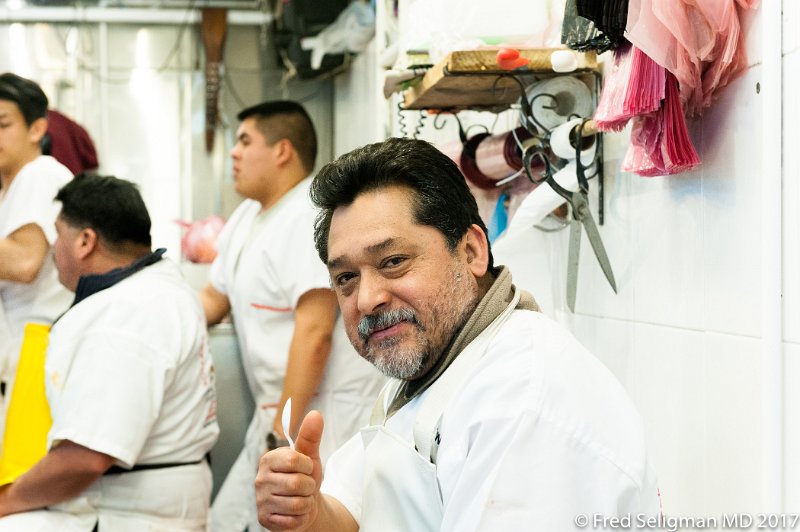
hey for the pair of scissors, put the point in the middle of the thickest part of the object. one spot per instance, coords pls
(581, 219)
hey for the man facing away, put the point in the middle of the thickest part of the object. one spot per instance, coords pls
(289, 332)
(128, 379)
(29, 287)
(496, 418)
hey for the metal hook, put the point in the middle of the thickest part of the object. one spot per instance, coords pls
(485, 128)
(437, 124)
(494, 86)
(530, 123)
(533, 117)
(528, 155)
(548, 107)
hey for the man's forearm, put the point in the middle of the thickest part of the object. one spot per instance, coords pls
(64, 473)
(22, 254)
(315, 318)
(304, 371)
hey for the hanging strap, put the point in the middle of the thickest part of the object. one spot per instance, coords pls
(429, 418)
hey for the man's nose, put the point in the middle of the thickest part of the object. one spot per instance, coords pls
(373, 293)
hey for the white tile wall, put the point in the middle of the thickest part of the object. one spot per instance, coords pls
(610, 340)
(791, 440)
(791, 23)
(731, 209)
(357, 121)
(670, 388)
(791, 193)
(731, 449)
(750, 20)
(699, 394)
(668, 250)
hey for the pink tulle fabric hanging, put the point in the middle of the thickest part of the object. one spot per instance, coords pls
(634, 85)
(660, 143)
(701, 43)
(609, 115)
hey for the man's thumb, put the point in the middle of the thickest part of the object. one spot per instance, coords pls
(310, 435)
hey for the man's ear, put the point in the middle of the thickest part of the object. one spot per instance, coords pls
(476, 248)
(37, 130)
(87, 242)
(284, 151)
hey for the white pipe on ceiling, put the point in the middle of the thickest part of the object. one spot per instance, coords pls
(126, 15)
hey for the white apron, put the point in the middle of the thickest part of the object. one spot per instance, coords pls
(137, 501)
(401, 490)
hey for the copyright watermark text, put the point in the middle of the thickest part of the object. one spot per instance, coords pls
(732, 521)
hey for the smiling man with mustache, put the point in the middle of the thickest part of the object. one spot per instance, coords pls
(496, 417)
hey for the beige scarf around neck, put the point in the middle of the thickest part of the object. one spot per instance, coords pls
(497, 298)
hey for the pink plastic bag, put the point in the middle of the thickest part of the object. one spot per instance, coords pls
(199, 243)
(700, 42)
(660, 142)
(634, 85)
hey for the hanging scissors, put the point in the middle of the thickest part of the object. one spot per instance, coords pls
(581, 219)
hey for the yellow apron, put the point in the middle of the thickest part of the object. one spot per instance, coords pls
(28, 418)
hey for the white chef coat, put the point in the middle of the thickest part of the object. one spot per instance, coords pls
(128, 374)
(266, 262)
(30, 199)
(540, 433)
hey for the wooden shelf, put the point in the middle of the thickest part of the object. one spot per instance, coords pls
(473, 80)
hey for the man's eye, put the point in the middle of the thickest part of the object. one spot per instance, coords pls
(343, 278)
(393, 261)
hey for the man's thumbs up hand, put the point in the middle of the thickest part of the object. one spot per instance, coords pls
(308, 440)
(288, 481)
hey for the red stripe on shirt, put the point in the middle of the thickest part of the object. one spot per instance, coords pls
(274, 309)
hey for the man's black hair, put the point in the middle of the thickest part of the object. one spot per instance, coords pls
(441, 198)
(285, 119)
(112, 207)
(26, 94)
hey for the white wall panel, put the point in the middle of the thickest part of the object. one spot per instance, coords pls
(791, 440)
(731, 208)
(791, 193)
(670, 388)
(731, 448)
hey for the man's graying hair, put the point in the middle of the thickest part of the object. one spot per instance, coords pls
(441, 198)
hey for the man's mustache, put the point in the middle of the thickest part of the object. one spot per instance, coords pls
(383, 320)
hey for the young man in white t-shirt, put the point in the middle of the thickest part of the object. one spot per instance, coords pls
(288, 327)
(29, 287)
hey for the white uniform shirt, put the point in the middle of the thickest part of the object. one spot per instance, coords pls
(540, 433)
(30, 199)
(128, 372)
(266, 261)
